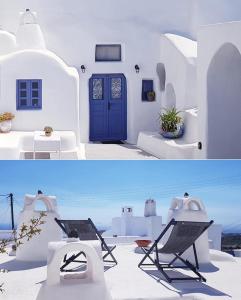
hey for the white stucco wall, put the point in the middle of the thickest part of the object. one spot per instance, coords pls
(72, 31)
(219, 90)
(7, 42)
(136, 226)
(178, 54)
(60, 91)
(212, 12)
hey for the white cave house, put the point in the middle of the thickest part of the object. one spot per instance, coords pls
(89, 77)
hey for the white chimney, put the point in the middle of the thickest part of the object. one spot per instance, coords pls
(150, 208)
(29, 34)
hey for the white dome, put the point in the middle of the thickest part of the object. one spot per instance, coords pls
(29, 34)
(7, 42)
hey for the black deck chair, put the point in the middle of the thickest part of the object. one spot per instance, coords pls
(183, 236)
(85, 230)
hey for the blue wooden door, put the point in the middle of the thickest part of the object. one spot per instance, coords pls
(108, 112)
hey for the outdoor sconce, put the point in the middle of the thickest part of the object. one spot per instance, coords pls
(137, 68)
(83, 68)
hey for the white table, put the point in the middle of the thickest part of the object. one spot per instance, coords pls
(43, 143)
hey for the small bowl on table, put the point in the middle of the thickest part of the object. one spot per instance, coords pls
(143, 243)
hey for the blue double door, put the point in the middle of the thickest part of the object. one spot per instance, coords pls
(108, 107)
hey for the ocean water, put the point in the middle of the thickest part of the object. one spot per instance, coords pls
(6, 226)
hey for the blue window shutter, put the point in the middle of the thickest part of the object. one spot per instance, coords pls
(29, 94)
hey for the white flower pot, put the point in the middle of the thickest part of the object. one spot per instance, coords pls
(5, 126)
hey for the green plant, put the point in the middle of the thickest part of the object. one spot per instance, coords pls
(151, 96)
(26, 232)
(170, 119)
(7, 116)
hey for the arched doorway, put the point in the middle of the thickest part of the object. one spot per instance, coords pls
(224, 104)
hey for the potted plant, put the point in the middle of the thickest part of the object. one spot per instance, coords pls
(151, 96)
(171, 122)
(6, 121)
(48, 130)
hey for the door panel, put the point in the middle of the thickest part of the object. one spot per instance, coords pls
(98, 112)
(108, 107)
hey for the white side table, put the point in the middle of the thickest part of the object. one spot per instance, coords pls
(43, 143)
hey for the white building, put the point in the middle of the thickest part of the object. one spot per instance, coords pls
(85, 69)
(128, 227)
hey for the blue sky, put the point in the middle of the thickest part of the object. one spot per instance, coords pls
(98, 189)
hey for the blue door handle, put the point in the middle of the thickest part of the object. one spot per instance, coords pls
(109, 105)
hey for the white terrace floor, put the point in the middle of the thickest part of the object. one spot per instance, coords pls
(97, 151)
(19, 145)
(127, 282)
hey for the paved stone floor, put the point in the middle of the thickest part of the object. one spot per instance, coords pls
(97, 151)
(116, 152)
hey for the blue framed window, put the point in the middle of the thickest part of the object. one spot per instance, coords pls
(108, 53)
(147, 86)
(29, 94)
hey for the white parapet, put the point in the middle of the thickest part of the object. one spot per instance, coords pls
(135, 226)
(87, 285)
(36, 248)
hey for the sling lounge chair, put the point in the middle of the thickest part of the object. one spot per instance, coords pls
(183, 236)
(85, 230)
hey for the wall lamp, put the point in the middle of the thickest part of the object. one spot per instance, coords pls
(137, 68)
(83, 68)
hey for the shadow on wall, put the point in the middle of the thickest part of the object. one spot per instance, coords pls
(224, 104)
(161, 72)
(170, 96)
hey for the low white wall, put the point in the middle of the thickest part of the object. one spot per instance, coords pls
(60, 91)
(135, 226)
(129, 226)
(219, 90)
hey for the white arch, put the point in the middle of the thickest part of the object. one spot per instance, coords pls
(224, 103)
(49, 201)
(94, 272)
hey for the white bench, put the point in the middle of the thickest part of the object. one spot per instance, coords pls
(14, 143)
(181, 148)
(155, 144)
